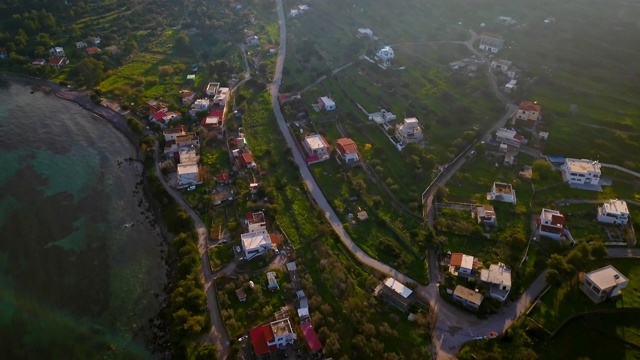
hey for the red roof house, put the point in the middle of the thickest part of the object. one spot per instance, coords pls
(347, 149)
(58, 62)
(260, 337)
(92, 50)
(246, 160)
(223, 178)
(311, 337)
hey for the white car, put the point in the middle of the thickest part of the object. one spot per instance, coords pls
(237, 248)
(276, 251)
(243, 338)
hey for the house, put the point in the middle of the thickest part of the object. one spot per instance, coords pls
(155, 107)
(38, 62)
(246, 160)
(498, 276)
(511, 86)
(544, 135)
(303, 305)
(509, 137)
(326, 103)
(491, 42)
(223, 179)
(396, 294)
(581, 171)
(242, 296)
(268, 338)
(95, 40)
(409, 131)
(604, 283)
(382, 117)
(613, 212)
(348, 150)
(187, 140)
(272, 49)
(513, 72)
(255, 221)
(255, 243)
(312, 338)
(461, 265)
(385, 53)
(3, 52)
(170, 134)
(92, 50)
(199, 105)
(58, 62)
(502, 192)
(81, 45)
(501, 64)
(252, 40)
(213, 120)
(551, 224)
(486, 215)
(188, 174)
(220, 98)
(212, 88)
(317, 148)
(467, 297)
(272, 281)
(56, 51)
(362, 32)
(528, 112)
(187, 96)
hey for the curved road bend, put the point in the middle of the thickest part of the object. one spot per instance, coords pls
(218, 334)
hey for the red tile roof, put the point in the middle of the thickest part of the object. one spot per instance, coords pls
(456, 259)
(246, 159)
(92, 50)
(259, 337)
(159, 116)
(176, 130)
(58, 60)
(529, 106)
(557, 219)
(346, 146)
(518, 137)
(222, 177)
(311, 336)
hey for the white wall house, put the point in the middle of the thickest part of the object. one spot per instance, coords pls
(491, 43)
(56, 51)
(326, 103)
(317, 148)
(348, 150)
(551, 224)
(199, 105)
(501, 65)
(486, 215)
(603, 283)
(461, 264)
(255, 243)
(409, 131)
(498, 276)
(255, 221)
(502, 192)
(613, 212)
(467, 297)
(212, 88)
(509, 137)
(528, 112)
(362, 32)
(188, 175)
(581, 171)
(385, 54)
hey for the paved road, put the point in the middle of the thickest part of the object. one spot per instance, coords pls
(218, 334)
(304, 170)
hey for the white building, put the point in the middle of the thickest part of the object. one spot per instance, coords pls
(199, 105)
(170, 134)
(409, 131)
(461, 264)
(56, 51)
(486, 215)
(581, 171)
(603, 283)
(326, 103)
(220, 98)
(509, 137)
(491, 43)
(255, 243)
(317, 148)
(613, 212)
(212, 88)
(511, 86)
(551, 224)
(385, 54)
(255, 222)
(348, 150)
(501, 64)
(267, 338)
(467, 297)
(498, 276)
(362, 32)
(502, 192)
(188, 174)
(528, 112)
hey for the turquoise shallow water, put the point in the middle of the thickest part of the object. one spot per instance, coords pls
(72, 278)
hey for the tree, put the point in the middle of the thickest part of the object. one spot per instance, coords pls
(553, 278)
(206, 352)
(599, 251)
(542, 170)
(579, 257)
(89, 72)
(558, 263)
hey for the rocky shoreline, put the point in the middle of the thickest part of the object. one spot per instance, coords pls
(154, 332)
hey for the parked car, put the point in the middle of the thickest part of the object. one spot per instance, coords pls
(237, 248)
(243, 338)
(275, 250)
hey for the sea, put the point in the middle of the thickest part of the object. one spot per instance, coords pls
(82, 258)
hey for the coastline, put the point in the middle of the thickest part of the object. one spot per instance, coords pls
(156, 338)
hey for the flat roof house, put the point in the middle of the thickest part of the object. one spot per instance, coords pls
(326, 103)
(255, 243)
(272, 281)
(317, 147)
(461, 265)
(312, 338)
(348, 150)
(491, 42)
(603, 283)
(199, 105)
(501, 64)
(509, 137)
(188, 174)
(467, 297)
(271, 337)
(498, 276)
(396, 294)
(212, 88)
(551, 224)
(486, 215)
(242, 296)
(581, 171)
(502, 192)
(613, 212)
(409, 131)
(255, 221)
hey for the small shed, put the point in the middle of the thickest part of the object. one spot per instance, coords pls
(242, 296)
